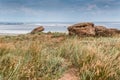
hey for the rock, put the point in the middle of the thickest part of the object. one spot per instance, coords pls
(88, 29)
(102, 31)
(115, 31)
(84, 24)
(37, 30)
(82, 29)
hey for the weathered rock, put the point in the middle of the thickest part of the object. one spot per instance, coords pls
(84, 24)
(102, 31)
(37, 30)
(82, 29)
(88, 29)
(115, 31)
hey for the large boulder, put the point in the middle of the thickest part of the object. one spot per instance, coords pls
(82, 29)
(114, 31)
(102, 31)
(37, 30)
(89, 29)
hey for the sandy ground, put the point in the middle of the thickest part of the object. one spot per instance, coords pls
(70, 75)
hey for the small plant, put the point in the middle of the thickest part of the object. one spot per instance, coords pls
(57, 34)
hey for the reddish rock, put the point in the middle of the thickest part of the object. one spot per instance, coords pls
(82, 29)
(37, 30)
(88, 29)
(101, 31)
(115, 31)
(84, 24)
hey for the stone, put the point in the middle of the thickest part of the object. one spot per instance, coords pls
(101, 31)
(37, 30)
(82, 29)
(89, 29)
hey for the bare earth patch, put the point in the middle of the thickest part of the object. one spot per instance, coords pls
(70, 75)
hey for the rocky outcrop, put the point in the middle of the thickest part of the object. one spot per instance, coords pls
(89, 29)
(37, 30)
(82, 29)
(115, 31)
(102, 31)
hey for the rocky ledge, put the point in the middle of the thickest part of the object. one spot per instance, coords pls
(89, 29)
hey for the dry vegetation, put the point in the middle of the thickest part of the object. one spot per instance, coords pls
(48, 56)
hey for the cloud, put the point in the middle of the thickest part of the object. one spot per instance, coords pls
(92, 7)
(30, 11)
(57, 9)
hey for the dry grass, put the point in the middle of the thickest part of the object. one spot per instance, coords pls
(48, 56)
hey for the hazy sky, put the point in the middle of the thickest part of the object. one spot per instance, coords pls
(59, 10)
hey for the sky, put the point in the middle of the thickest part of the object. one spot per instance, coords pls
(59, 10)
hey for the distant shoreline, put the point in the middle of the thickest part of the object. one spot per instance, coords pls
(7, 34)
(13, 29)
(13, 34)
